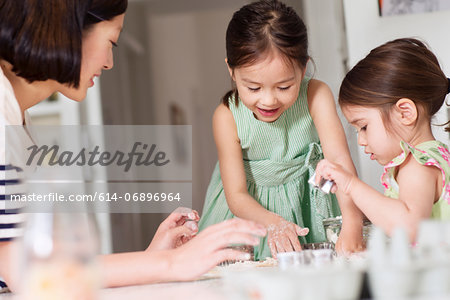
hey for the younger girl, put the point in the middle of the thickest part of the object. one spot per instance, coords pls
(269, 132)
(390, 97)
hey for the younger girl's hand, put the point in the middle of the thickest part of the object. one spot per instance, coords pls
(178, 228)
(210, 247)
(331, 171)
(283, 236)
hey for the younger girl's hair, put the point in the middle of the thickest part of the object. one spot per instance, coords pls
(259, 27)
(402, 68)
(42, 39)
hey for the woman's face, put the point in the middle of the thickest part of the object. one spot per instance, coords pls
(97, 55)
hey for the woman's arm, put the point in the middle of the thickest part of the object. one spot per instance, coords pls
(9, 266)
(187, 262)
(334, 144)
(233, 176)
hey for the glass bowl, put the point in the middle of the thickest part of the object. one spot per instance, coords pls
(333, 226)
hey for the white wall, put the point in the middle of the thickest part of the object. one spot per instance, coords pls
(366, 30)
(327, 47)
(324, 20)
(187, 65)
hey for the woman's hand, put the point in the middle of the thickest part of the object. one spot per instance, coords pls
(331, 171)
(178, 228)
(283, 236)
(209, 248)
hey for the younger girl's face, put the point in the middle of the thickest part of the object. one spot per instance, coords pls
(98, 42)
(269, 86)
(379, 143)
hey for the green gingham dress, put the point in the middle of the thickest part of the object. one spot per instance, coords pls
(278, 158)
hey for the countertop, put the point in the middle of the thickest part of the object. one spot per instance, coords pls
(209, 289)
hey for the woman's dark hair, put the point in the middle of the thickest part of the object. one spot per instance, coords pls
(42, 38)
(402, 68)
(258, 28)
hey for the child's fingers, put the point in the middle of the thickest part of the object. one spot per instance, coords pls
(325, 169)
(301, 231)
(294, 242)
(285, 243)
(273, 248)
(334, 189)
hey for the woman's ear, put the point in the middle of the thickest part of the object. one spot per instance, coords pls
(406, 111)
(230, 70)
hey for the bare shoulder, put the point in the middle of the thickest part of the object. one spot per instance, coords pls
(222, 113)
(320, 96)
(320, 99)
(318, 89)
(224, 125)
(411, 171)
(419, 186)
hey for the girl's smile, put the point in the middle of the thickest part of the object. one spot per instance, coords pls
(269, 86)
(268, 112)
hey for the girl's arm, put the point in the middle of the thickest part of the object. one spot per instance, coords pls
(234, 181)
(187, 262)
(334, 144)
(418, 187)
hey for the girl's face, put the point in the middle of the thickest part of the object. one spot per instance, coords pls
(97, 55)
(380, 144)
(269, 86)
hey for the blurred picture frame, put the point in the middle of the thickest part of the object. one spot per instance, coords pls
(404, 7)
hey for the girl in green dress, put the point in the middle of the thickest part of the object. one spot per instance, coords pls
(390, 97)
(270, 132)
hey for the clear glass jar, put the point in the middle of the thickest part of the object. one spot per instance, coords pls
(59, 260)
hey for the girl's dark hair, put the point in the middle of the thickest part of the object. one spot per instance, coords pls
(259, 27)
(402, 68)
(42, 38)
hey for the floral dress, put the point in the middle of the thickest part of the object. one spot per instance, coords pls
(430, 153)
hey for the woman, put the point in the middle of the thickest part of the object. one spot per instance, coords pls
(49, 46)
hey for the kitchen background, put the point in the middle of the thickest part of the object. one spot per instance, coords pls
(170, 69)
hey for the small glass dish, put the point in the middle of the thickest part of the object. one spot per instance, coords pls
(315, 246)
(243, 248)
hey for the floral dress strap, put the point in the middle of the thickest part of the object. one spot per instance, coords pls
(387, 178)
(430, 153)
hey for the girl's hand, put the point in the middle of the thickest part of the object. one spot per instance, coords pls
(283, 236)
(209, 248)
(350, 240)
(178, 228)
(331, 171)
